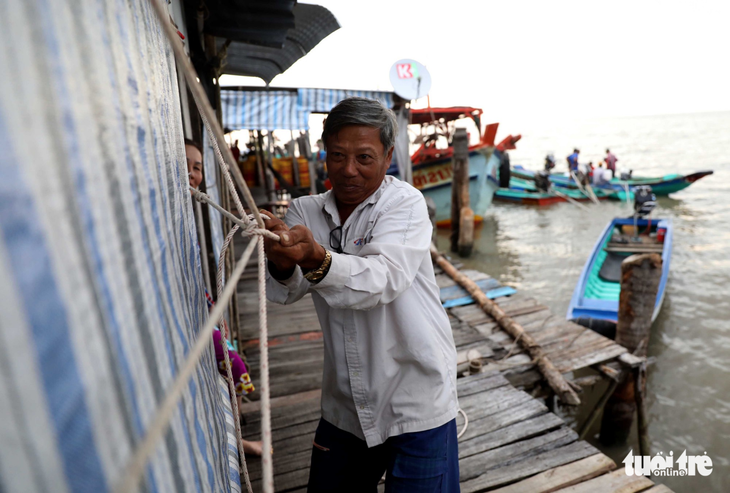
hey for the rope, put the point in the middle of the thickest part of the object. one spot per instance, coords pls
(249, 228)
(219, 276)
(466, 424)
(266, 462)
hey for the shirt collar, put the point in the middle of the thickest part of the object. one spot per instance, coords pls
(330, 205)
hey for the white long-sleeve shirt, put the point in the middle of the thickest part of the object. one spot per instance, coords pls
(389, 359)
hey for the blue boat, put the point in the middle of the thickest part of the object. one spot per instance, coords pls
(595, 300)
(662, 185)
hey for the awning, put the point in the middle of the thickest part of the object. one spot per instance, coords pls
(266, 37)
(284, 109)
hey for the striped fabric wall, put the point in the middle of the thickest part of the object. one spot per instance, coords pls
(284, 109)
(101, 292)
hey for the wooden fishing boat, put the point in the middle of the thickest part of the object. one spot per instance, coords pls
(595, 300)
(524, 191)
(663, 185)
(433, 161)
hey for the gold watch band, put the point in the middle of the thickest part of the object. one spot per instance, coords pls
(316, 275)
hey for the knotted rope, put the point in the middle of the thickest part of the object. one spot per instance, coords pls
(252, 226)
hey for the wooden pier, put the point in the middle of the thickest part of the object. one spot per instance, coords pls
(513, 443)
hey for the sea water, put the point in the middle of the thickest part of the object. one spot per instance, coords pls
(541, 251)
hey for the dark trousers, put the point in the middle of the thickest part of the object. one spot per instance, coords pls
(424, 461)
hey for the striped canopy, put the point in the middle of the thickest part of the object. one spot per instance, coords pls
(284, 109)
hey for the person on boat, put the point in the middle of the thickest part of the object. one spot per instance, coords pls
(600, 177)
(611, 162)
(573, 161)
(389, 398)
(589, 171)
(242, 380)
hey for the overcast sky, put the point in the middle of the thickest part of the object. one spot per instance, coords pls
(532, 59)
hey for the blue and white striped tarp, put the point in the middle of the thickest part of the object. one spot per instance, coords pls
(284, 109)
(323, 100)
(101, 291)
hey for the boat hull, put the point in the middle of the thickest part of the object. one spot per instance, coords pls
(523, 191)
(434, 179)
(660, 186)
(595, 300)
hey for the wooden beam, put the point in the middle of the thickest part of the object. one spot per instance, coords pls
(554, 378)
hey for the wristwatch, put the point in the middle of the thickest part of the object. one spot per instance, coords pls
(316, 275)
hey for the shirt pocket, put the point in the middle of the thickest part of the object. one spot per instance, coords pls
(354, 242)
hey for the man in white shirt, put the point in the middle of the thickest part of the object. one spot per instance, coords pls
(389, 381)
(601, 176)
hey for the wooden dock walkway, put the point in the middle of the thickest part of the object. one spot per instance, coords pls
(512, 442)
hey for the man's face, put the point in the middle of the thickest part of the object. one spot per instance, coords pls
(195, 165)
(356, 163)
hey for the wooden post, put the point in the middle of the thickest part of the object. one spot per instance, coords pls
(294, 165)
(305, 150)
(462, 217)
(260, 160)
(642, 421)
(640, 276)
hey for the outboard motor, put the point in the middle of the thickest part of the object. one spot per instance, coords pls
(644, 201)
(549, 162)
(542, 181)
(505, 170)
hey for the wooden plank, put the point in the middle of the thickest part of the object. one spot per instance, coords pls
(282, 463)
(476, 465)
(467, 335)
(287, 481)
(616, 481)
(521, 412)
(478, 406)
(589, 359)
(281, 423)
(524, 379)
(312, 396)
(530, 466)
(466, 387)
(509, 434)
(562, 476)
(660, 488)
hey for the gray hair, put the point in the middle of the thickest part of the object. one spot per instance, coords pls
(362, 111)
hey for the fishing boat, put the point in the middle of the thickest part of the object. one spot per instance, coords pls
(663, 185)
(594, 303)
(524, 191)
(433, 160)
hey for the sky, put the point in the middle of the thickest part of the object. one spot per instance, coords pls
(531, 60)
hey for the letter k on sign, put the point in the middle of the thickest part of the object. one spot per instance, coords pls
(404, 71)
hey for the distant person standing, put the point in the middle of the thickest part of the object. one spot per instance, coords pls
(573, 161)
(611, 163)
